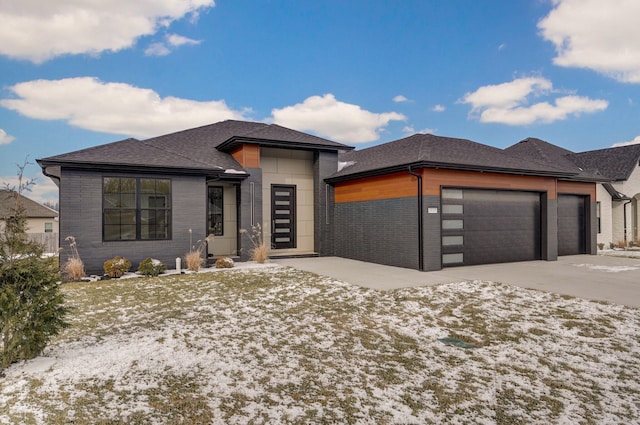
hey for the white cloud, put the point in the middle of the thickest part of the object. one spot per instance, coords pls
(600, 35)
(173, 40)
(410, 130)
(438, 108)
(635, 141)
(179, 40)
(39, 30)
(117, 108)
(42, 191)
(5, 138)
(328, 117)
(505, 103)
(400, 98)
(157, 49)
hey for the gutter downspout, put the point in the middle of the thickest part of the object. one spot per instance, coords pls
(420, 221)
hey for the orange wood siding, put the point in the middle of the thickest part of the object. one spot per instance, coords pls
(578, 188)
(402, 185)
(247, 155)
(399, 185)
(435, 179)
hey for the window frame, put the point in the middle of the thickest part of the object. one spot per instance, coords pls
(598, 216)
(48, 227)
(217, 230)
(139, 211)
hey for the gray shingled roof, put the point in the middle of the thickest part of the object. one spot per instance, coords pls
(616, 163)
(544, 152)
(438, 151)
(192, 149)
(276, 135)
(32, 208)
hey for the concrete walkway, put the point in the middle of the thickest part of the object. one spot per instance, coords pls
(595, 277)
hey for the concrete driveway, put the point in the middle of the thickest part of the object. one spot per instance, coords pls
(595, 277)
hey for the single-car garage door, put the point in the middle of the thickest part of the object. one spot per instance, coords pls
(481, 226)
(572, 229)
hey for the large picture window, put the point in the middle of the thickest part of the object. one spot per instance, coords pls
(136, 209)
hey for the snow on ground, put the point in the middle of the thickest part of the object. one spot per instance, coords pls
(268, 344)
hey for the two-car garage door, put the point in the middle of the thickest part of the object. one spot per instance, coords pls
(482, 226)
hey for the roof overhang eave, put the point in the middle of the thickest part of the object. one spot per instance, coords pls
(234, 142)
(109, 167)
(446, 166)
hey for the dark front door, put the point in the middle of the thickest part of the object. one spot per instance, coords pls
(283, 216)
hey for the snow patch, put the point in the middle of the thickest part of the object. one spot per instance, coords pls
(608, 269)
(344, 164)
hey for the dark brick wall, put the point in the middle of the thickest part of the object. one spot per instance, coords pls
(592, 228)
(324, 165)
(381, 231)
(81, 217)
(549, 228)
(432, 231)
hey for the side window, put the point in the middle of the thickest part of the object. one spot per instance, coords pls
(216, 211)
(598, 215)
(48, 227)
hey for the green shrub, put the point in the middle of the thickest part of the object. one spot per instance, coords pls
(32, 308)
(224, 263)
(117, 266)
(151, 267)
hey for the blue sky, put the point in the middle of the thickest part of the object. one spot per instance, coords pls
(79, 73)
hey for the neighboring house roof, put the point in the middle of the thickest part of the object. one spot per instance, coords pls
(32, 208)
(544, 152)
(616, 163)
(201, 149)
(437, 151)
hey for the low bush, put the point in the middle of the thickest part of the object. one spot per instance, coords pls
(117, 266)
(193, 260)
(73, 269)
(600, 246)
(224, 263)
(151, 267)
(260, 251)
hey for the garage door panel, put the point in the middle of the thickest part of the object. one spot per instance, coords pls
(572, 221)
(498, 226)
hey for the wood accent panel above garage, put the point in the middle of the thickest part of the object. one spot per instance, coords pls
(403, 185)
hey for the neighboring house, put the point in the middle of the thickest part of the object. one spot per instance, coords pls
(42, 222)
(618, 169)
(422, 202)
(617, 200)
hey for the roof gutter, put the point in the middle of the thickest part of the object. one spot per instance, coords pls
(420, 220)
(237, 175)
(446, 166)
(56, 179)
